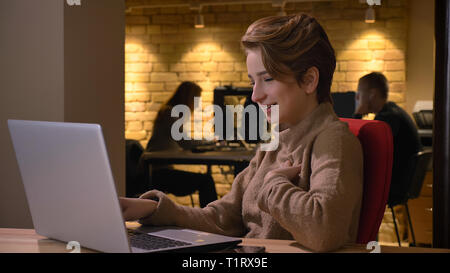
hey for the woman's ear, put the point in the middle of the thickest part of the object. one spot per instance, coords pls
(311, 80)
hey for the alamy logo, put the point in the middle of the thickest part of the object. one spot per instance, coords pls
(73, 245)
(215, 126)
(374, 2)
(374, 246)
(73, 2)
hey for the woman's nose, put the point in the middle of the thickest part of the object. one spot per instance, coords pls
(257, 94)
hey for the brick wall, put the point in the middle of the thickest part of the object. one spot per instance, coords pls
(163, 49)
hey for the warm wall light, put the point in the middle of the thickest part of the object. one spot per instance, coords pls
(199, 21)
(370, 15)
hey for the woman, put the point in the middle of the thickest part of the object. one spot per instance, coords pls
(164, 178)
(310, 188)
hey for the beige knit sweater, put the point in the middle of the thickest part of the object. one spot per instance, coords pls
(320, 210)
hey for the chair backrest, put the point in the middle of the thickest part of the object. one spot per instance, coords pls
(377, 144)
(420, 162)
(133, 152)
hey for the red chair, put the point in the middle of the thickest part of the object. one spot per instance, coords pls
(376, 141)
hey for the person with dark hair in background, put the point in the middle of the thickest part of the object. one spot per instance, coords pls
(373, 90)
(164, 178)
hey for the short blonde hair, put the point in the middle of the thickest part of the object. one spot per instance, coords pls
(290, 45)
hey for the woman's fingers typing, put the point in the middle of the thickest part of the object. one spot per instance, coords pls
(136, 208)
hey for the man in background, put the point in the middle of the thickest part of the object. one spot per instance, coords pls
(372, 97)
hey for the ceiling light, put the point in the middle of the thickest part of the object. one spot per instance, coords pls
(279, 4)
(199, 21)
(370, 15)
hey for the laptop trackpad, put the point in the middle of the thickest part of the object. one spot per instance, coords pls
(186, 235)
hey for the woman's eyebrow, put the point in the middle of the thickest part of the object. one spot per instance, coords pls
(261, 73)
(258, 74)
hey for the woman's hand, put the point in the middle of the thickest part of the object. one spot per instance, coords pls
(292, 173)
(273, 179)
(136, 208)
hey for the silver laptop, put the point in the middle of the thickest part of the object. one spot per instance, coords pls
(72, 197)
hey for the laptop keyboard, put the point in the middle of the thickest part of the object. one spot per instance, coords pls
(151, 242)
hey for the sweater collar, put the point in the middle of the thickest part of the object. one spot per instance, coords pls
(314, 122)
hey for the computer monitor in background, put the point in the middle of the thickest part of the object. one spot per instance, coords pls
(344, 103)
(229, 95)
(423, 116)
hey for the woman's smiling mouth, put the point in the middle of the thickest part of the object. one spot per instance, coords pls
(267, 108)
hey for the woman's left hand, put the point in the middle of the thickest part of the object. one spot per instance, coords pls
(286, 172)
(292, 173)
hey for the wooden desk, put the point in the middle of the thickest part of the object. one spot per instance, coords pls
(27, 241)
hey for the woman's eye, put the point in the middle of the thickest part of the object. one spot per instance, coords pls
(252, 83)
(268, 79)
